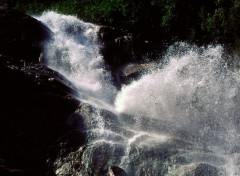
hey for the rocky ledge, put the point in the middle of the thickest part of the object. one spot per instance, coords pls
(34, 106)
(35, 101)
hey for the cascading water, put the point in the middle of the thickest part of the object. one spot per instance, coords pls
(74, 52)
(180, 118)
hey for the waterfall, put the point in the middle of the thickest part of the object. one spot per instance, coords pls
(181, 117)
(74, 52)
(195, 89)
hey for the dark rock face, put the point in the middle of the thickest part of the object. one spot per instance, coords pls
(34, 108)
(116, 46)
(35, 101)
(21, 36)
(120, 47)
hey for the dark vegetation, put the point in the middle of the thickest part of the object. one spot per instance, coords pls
(138, 29)
(198, 21)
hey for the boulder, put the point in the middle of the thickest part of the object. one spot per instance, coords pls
(132, 71)
(116, 171)
(34, 108)
(35, 101)
(21, 36)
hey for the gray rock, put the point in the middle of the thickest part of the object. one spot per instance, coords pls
(116, 171)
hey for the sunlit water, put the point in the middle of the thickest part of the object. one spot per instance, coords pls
(74, 52)
(180, 118)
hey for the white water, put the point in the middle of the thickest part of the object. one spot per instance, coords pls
(74, 52)
(193, 90)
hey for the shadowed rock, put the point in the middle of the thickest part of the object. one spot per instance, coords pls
(21, 36)
(116, 171)
(34, 107)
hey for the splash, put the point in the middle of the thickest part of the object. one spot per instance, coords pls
(194, 86)
(194, 90)
(180, 117)
(194, 83)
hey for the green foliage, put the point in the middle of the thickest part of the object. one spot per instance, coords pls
(33, 7)
(166, 8)
(222, 22)
(65, 6)
(108, 11)
(193, 20)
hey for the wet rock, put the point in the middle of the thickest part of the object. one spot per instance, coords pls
(207, 170)
(131, 69)
(5, 171)
(21, 36)
(121, 47)
(116, 46)
(116, 171)
(34, 108)
(130, 72)
(111, 145)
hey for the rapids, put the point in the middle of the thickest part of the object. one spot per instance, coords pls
(181, 117)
